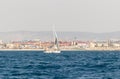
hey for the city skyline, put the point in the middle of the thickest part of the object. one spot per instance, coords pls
(67, 15)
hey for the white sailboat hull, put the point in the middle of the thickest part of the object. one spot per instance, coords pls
(56, 51)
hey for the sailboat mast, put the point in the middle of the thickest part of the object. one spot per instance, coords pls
(55, 38)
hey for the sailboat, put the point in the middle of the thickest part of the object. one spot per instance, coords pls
(55, 47)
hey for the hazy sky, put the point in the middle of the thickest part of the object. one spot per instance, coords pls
(67, 15)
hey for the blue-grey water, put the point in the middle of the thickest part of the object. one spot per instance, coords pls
(66, 65)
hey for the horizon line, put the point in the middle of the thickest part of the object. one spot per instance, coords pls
(56, 31)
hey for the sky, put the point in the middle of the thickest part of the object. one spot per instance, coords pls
(67, 15)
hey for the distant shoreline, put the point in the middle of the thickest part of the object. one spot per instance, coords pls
(61, 50)
(21, 50)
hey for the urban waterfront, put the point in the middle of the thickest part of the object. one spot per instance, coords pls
(66, 65)
(37, 44)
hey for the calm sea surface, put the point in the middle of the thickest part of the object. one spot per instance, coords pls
(67, 65)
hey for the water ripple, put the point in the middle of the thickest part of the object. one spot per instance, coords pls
(67, 65)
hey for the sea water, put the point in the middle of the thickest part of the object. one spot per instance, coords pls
(66, 65)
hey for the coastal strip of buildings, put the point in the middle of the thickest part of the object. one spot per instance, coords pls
(64, 45)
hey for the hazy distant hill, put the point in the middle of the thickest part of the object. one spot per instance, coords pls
(28, 35)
